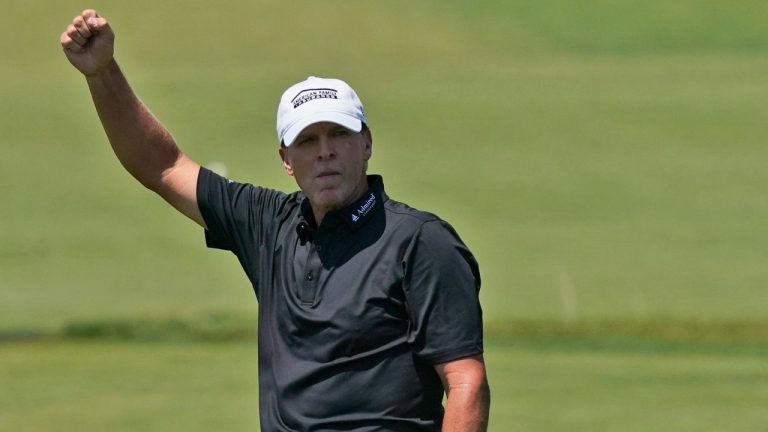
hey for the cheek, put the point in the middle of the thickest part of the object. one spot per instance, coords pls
(303, 175)
(299, 166)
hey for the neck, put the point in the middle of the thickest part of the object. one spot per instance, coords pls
(319, 214)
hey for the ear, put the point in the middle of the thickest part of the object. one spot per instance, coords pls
(368, 142)
(286, 163)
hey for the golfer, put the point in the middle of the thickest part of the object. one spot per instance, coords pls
(368, 308)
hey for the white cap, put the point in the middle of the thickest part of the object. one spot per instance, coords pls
(316, 100)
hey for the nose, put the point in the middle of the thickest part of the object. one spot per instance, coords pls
(326, 148)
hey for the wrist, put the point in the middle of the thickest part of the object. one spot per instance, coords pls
(103, 71)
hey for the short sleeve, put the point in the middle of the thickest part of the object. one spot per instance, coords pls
(441, 284)
(236, 214)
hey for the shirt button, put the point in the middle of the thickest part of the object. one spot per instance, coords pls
(319, 248)
(309, 276)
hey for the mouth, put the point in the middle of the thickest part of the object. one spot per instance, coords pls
(327, 173)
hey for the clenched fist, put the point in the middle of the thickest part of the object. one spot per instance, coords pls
(88, 42)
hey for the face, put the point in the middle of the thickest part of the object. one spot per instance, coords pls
(329, 164)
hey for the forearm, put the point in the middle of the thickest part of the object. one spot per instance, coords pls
(142, 144)
(467, 407)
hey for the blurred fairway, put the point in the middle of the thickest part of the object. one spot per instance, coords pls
(202, 387)
(606, 162)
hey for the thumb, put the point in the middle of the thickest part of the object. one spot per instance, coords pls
(99, 25)
(96, 23)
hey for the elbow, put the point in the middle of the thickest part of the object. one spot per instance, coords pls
(156, 174)
(480, 391)
(475, 389)
(148, 178)
(484, 394)
(152, 183)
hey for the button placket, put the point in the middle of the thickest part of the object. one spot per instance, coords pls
(308, 286)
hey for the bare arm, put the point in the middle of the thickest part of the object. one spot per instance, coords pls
(469, 396)
(142, 144)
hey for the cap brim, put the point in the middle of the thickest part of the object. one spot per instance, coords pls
(352, 123)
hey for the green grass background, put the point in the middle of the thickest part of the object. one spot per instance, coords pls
(157, 387)
(604, 160)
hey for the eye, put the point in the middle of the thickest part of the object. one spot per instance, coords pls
(342, 131)
(304, 140)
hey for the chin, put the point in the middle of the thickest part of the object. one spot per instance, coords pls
(329, 199)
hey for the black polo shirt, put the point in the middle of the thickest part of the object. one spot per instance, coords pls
(353, 314)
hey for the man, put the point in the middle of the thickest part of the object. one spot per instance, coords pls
(368, 309)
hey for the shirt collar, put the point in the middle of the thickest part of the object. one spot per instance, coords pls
(354, 215)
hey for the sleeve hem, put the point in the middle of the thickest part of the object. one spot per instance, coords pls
(202, 193)
(213, 239)
(453, 354)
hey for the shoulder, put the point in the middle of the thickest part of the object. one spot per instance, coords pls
(215, 183)
(434, 250)
(402, 213)
(425, 234)
(242, 200)
(420, 221)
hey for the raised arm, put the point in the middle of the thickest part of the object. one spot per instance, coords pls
(142, 144)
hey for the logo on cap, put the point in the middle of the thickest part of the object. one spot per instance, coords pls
(307, 95)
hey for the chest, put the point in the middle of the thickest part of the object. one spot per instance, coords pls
(341, 292)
